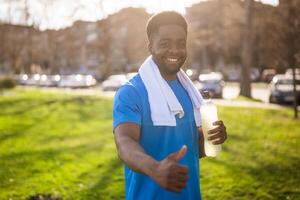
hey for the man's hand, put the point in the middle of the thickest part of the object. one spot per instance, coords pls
(218, 135)
(171, 175)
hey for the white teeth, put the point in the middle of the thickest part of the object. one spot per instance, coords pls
(172, 59)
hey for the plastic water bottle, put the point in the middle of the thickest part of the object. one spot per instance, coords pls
(209, 115)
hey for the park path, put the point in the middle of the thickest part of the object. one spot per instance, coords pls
(247, 104)
(98, 92)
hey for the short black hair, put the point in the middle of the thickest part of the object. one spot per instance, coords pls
(165, 18)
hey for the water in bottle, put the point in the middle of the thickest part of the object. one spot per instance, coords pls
(209, 115)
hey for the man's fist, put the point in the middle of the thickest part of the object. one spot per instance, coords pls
(219, 134)
(171, 175)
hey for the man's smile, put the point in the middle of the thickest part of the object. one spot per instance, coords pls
(172, 60)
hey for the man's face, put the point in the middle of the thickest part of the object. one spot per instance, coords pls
(168, 49)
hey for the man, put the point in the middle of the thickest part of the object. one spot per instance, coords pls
(161, 151)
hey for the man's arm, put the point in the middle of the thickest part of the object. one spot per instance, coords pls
(126, 138)
(166, 173)
(201, 144)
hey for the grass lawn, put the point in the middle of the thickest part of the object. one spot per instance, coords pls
(62, 145)
(243, 98)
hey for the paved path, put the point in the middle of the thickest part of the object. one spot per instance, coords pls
(247, 104)
(96, 91)
(259, 91)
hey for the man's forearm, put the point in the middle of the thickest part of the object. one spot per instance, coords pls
(201, 144)
(135, 157)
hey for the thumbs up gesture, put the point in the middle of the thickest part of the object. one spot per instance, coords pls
(169, 174)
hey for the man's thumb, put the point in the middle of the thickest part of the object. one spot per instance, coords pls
(177, 156)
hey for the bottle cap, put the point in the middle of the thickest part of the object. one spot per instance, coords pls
(206, 94)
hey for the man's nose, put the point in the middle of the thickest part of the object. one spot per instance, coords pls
(173, 48)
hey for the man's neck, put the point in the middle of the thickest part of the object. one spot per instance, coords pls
(165, 75)
(168, 77)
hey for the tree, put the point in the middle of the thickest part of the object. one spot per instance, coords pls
(245, 82)
(28, 43)
(105, 46)
(289, 18)
(220, 42)
(14, 41)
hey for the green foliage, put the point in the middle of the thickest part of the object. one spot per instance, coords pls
(62, 146)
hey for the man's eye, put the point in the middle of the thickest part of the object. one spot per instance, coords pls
(164, 44)
(182, 45)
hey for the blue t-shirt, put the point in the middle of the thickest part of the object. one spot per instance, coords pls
(131, 106)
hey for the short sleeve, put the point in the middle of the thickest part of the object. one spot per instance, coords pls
(127, 108)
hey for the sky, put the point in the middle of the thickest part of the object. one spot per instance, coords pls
(55, 14)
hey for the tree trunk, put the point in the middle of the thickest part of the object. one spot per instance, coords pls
(292, 49)
(220, 43)
(290, 32)
(245, 82)
(106, 48)
(295, 104)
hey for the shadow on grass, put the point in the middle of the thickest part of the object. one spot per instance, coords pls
(33, 162)
(109, 182)
(21, 129)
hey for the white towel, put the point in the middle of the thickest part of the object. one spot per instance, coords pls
(164, 105)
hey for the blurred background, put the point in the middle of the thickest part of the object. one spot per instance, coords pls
(48, 43)
(61, 62)
(41, 41)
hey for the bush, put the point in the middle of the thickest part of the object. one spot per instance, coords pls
(7, 83)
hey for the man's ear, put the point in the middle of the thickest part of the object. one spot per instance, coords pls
(150, 47)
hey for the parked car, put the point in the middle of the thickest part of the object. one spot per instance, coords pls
(289, 71)
(114, 82)
(213, 83)
(48, 80)
(282, 89)
(267, 75)
(232, 75)
(22, 79)
(38, 80)
(77, 81)
(254, 74)
(32, 80)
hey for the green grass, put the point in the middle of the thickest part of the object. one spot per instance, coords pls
(261, 159)
(63, 145)
(243, 98)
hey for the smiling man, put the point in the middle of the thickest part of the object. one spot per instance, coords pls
(156, 119)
